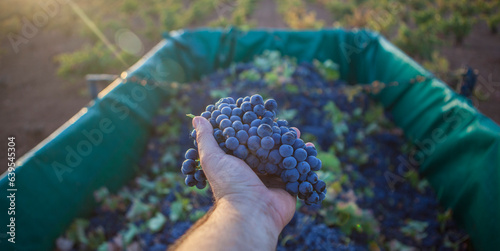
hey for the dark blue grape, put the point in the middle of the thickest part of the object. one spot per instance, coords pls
(286, 151)
(300, 154)
(242, 137)
(267, 143)
(282, 123)
(264, 130)
(226, 110)
(201, 184)
(248, 117)
(218, 135)
(231, 100)
(246, 127)
(206, 115)
(216, 114)
(259, 110)
(312, 178)
(190, 180)
(274, 157)
(213, 122)
(311, 151)
(313, 162)
(237, 112)
(303, 177)
(291, 175)
(255, 123)
(303, 167)
(225, 123)
(289, 162)
(235, 118)
(271, 105)
(292, 188)
(320, 186)
(267, 120)
(284, 130)
(229, 132)
(237, 125)
(246, 99)
(253, 143)
(305, 188)
(318, 166)
(239, 101)
(288, 138)
(193, 134)
(252, 131)
(210, 108)
(262, 153)
(199, 175)
(299, 143)
(256, 99)
(241, 152)
(269, 114)
(277, 139)
(312, 198)
(246, 107)
(232, 143)
(188, 167)
(223, 147)
(191, 154)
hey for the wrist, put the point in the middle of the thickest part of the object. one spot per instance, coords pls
(251, 214)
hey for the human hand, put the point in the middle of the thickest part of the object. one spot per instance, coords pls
(235, 183)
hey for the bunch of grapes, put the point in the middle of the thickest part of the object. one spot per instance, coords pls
(248, 129)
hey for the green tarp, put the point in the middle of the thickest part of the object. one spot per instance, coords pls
(100, 146)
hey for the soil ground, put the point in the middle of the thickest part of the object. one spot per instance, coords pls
(35, 101)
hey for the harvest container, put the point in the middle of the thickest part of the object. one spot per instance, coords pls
(103, 142)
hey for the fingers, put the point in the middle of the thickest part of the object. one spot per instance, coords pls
(310, 144)
(209, 151)
(297, 130)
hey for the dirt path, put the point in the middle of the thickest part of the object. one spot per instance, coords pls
(35, 101)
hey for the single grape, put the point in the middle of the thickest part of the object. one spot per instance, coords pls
(305, 188)
(288, 138)
(248, 117)
(191, 154)
(246, 107)
(299, 143)
(193, 134)
(232, 143)
(300, 154)
(201, 184)
(206, 115)
(274, 157)
(271, 168)
(225, 123)
(252, 131)
(267, 143)
(252, 161)
(271, 105)
(313, 162)
(291, 175)
(226, 110)
(242, 137)
(320, 186)
(241, 152)
(253, 143)
(318, 166)
(292, 188)
(190, 180)
(188, 167)
(256, 99)
(311, 151)
(262, 153)
(255, 123)
(264, 130)
(303, 167)
(229, 132)
(286, 151)
(235, 118)
(259, 110)
(237, 112)
(267, 121)
(312, 178)
(289, 162)
(199, 175)
(282, 123)
(277, 139)
(210, 108)
(237, 125)
(313, 198)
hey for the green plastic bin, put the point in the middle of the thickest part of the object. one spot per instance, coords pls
(102, 143)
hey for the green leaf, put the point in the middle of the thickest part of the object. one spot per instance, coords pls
(130, 233)
(156, 223)
(176, 210)
(139, 210)
(190, 115)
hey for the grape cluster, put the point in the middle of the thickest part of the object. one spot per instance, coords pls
(248, 129)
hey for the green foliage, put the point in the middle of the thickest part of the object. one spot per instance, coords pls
(420, 42)
(349, 217)
(459, 26)
(328, 69)
(438, 65)
(92, 59)
(415, 229)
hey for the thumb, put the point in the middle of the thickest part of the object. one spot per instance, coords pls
(209, 151)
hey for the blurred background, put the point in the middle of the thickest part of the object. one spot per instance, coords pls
(47, 47)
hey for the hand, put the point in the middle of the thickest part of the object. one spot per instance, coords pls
(234, 182)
